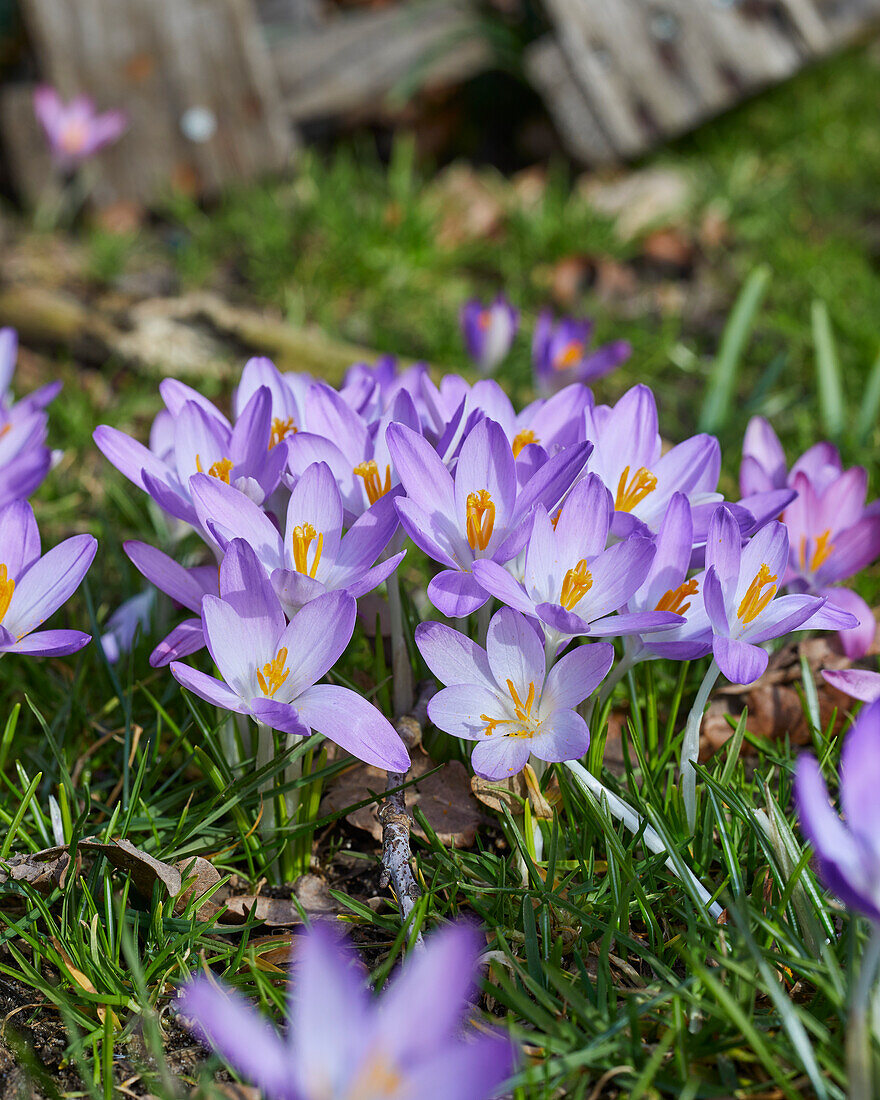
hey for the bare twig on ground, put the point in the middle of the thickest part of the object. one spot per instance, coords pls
(396, 821)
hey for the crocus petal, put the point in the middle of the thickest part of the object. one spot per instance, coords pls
(316, 501)
(366, 582)
(451, 656)
(458, 709)
(186, 638)
(515, 652)
(128, 456)
(316, 639)
(500, 757)
(576, 676)
(245, 585)
(238, 652)
(166, 574)
(52, 643)
(424, 477)
(563, 736)
(854, 549)
(208, 688)
(486, 464)
(278, 716)
(860, 776)
(455, 594)
(634, 622)
(434, 986)
(169, 498)
(857, 682)
(354, 724)
(366, 539)
(723, 549)
(470, 1070)
(48, 583)
(249, 441)
(566, 622)
(713, 600)
(434, 533)
(496, 580)
(554, 479)
(19, 538)
(232, 514)
(762, 445)
(243, 1038)
(740, 662)
(836, 848)
(856, 640)
(788, 613)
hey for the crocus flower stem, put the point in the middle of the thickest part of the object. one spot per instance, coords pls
(401, 667)
(859, 1040)
(484, 616)
(291, 856)
(690, 746)
(625, 813)
(614, 677)
(265, 755)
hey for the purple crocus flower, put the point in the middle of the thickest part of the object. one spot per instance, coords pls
(667, 587)
(203, 443)
(628, 457)
(847, 852)
(313, 556)
(503, 698)
(342, 1045)
(33, 587)
(480, 513)
(833, 534)
(186, 587)
(860, 683)
(288, 396)
(561, 353)
(354, 450)
(132, 615)
(488, 331)
(571, 582)
(75, 130)
(270, 668)
(39, 399)
(740, 597)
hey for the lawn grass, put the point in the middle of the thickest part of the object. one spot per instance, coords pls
(603, 964)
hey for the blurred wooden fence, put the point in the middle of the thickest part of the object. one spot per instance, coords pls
(215, 89)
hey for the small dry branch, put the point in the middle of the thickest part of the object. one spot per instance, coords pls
(396, 823)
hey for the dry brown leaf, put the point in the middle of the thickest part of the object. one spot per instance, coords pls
(444, 798)
(43, 872)
(640, 199)
(669, 247)
(145, 870)
(204, 875)
(311, 891)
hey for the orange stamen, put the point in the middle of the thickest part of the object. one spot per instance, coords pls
(484, 318)
(480, 519)
(570, 355)
(824, 548)
(303, 537)
(576, 582)
(373, 485)
(220, 470)
(522, 710)
(673, 599)
(7, 587)
(628, 496)
(273, 673)
(281, 429)
(523, 439)
(753, 603)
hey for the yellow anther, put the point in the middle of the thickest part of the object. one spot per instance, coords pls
(570, 355)
(7, 587)
(576, 582)
(484, 318)
(824, 548)
(555, 519)
(373, 485)
(480, 519)
(274, 673)
(6, 428)
(753, 602)
(281, 429)
(674, 598)
(527, 725)
(220, 470)
(523, 439)
(303, 537)
(629, 495)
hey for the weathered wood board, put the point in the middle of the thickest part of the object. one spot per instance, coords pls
(166, 63)
(355, 61)
(620, 76)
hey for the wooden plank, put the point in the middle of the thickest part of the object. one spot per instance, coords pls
(166, 62)
(356, 61)
(643, 72)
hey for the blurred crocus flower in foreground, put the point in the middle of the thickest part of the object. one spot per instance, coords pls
(847, 852)
(342, 1045)
(488, 331)
(75, 130)
(561, 353)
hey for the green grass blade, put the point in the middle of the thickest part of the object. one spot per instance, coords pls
(831, 407)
